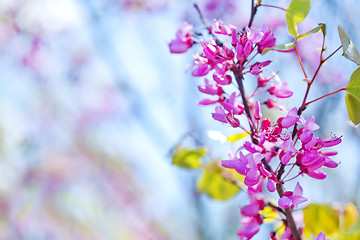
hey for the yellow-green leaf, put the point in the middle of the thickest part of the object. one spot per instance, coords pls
(296, 13)
(349, 49)
(321, 27)
(213, 183)
(188, 158)
(353, 108)
(237, 137)
(354, 83)
(352, 98)
(319, 218)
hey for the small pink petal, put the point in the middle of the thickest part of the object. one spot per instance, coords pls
(306, 136)
(284, 202)
(317, 175)
(298, 190)
(271, 185)
(286, 157)
(257, 114)
(250, 210)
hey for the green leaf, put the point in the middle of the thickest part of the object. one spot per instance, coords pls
(215, 185)
(289, 46)
(321, 26)
(237, 137)
(188, 158)
(354, 84)
(283, 47)
(352, 98)
(349, 49)
(353, 108)
(319, 218)
(296, 13)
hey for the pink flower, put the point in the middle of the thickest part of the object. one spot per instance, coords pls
(238, 164)
(251, 219)
(287, 150)
(210, 50)
(292, 199)
(230, 105)
(256, 68)
(250, 227)
(262, 81)
(201, 70)
(240, 52)
(267, 41)
(254, 36)
(210, 88)
(183, 39)
(290, 119)
(305, 133)
(221, 116)
(222, 79)
(222, 28)
(234, 38)
(257, 111)
(206, 102)
(281, 90)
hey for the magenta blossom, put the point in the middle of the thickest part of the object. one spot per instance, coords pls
(256, 68)
(210, 88)
(222, 28)
(183, 39)
(281, 90)
(267, 41)
(290, 119)
(292, 199)
(262, 81)
(221, 116)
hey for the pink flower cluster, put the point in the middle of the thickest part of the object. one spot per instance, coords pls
(288, 145)
(221, 60)
(275, 140)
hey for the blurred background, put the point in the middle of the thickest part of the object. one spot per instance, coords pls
(92, 102)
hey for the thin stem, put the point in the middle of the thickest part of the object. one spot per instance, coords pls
(287, 174)
(332, 53)
(294, 177)
(272, 6)
(322, 48)
(248, 61)
(322, 61)
(302, 67)
(279, 209)
(326, 95)
(203, 20)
